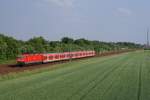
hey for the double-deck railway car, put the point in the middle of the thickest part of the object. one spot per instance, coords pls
(51, 57)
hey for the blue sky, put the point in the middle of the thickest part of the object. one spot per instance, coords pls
(104, 20)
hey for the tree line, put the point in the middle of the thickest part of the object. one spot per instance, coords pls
(10, 47)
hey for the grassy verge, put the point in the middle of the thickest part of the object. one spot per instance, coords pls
(119, 77)
(47, 69)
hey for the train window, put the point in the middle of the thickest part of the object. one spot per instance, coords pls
(50, 57)
(63, 56)
(68, 55)
(57, 57)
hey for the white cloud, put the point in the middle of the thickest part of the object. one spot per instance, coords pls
(61, 3)
(123, 12)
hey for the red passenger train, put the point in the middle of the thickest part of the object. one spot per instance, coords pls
(51, 57)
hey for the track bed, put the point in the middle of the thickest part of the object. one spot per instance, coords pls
(14, 68)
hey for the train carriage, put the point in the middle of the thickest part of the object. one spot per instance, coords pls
(51, 57)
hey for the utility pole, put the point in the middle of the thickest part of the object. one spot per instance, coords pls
(147, 46)
(70, 50)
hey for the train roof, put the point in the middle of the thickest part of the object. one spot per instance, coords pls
(55, 52)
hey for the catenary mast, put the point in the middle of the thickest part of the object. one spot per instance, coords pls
(147, 38)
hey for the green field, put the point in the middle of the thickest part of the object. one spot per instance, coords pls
(120, 77)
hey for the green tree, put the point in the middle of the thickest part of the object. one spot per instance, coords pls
(38, 43)
(67, 40)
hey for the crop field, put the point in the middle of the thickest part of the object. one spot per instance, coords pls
(119, 77)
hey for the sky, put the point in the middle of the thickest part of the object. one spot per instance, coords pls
(103, 20)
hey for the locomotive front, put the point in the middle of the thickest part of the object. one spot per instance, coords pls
(21, 59)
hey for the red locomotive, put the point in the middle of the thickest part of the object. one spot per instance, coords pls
(51, 57)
